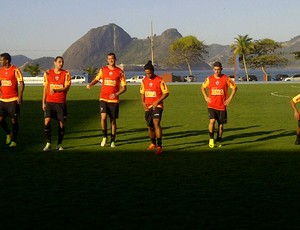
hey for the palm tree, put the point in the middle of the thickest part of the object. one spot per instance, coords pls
(243, 46)
(33, 69)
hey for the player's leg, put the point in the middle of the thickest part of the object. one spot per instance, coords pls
(297, 142)
(14, 113)
(113, 114)
(103, 122)
(157, 116)
(47, 125)
(150, 126)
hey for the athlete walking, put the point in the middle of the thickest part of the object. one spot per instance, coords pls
(57, 82)
(217, 101)
(113, 85)
(153, 91)
(11, 96)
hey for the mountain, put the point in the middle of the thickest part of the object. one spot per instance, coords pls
(92, 49)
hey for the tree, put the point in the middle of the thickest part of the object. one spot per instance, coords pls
(263, 55)
(32, 69)
(90, 70)
(187, 50)
(243, 46)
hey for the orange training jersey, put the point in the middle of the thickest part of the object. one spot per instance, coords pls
(153, 89)
(218, 90)
(9, 83)
(56, 81)
(111, 81)
(296, 99)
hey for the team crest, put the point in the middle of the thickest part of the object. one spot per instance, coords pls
(217, 82)
(56, 78)
(150, 84)
(110, 73)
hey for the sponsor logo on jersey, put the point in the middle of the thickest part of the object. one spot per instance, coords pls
(6, 83)
(56, 86)
(109, 82)
(217, 92)
(150, 94)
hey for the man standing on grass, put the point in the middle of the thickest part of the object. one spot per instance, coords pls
(57, 82)
(217, 100)
(113, 85)
(10, 97)
(153, 90)
(295, 100)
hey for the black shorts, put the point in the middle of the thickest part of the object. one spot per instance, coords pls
(57, 111)
(153, 114)
(11, 109)
(219, 115)
(112, 109)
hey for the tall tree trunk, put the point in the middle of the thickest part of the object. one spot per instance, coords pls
(189, 67)
(245, 66)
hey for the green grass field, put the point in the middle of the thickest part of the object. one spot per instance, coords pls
(251, 182)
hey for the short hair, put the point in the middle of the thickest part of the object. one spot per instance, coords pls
(58, 58)
(217, 64)
(112, 54)
(6, 56)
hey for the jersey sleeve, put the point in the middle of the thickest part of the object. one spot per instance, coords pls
(296, 99)
(45, 76)
(67, 78)
(163, 87)
(205, 83)
(99, 75)
(123, 79)
(230, 83)
(142, 88)
(18, 75)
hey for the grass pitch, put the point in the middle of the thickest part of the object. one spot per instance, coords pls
(251, 182)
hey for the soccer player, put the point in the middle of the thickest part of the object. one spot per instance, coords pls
(295, 100)
(153, 91)
(217, 100)
(57, 82)
(113, 85)
(10, 97)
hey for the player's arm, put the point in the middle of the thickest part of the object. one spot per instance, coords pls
(45, 90)
(204, 91)
(294, 107)
(95, 80)
(165, 94)
(229, 99)
(142, 92)
(20, 80)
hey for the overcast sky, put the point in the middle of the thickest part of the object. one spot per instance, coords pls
(38, 28)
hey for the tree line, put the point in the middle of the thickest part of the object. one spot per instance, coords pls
(256, 54)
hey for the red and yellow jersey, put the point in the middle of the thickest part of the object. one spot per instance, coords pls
(9, 83)
(218, 90)
(53, 80)
(112, 79)
(153, 89)
(296, 99)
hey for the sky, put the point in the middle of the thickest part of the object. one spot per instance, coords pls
(43, 28)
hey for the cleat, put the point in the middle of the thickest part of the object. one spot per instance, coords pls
(151, 146)
(158, 150)
(112, 144)
(297, 142)
(47, 147)
(8, 139)
(103, 142)
(13, 144)
(211, 143)
(218, 144)
(59, 148)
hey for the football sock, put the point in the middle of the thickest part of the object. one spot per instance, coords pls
(4, 126)
(61, 133)
(15, 131)
(153, 141)
(104, 132)
(47, 130)
(113, 137)
(159, 142)
(211, 135)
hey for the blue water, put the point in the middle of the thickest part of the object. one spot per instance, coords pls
(202, 74)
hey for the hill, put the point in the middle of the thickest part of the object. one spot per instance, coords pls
(92, 48)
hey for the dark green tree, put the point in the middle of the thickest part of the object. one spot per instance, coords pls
(32, 69)
(187, 50)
